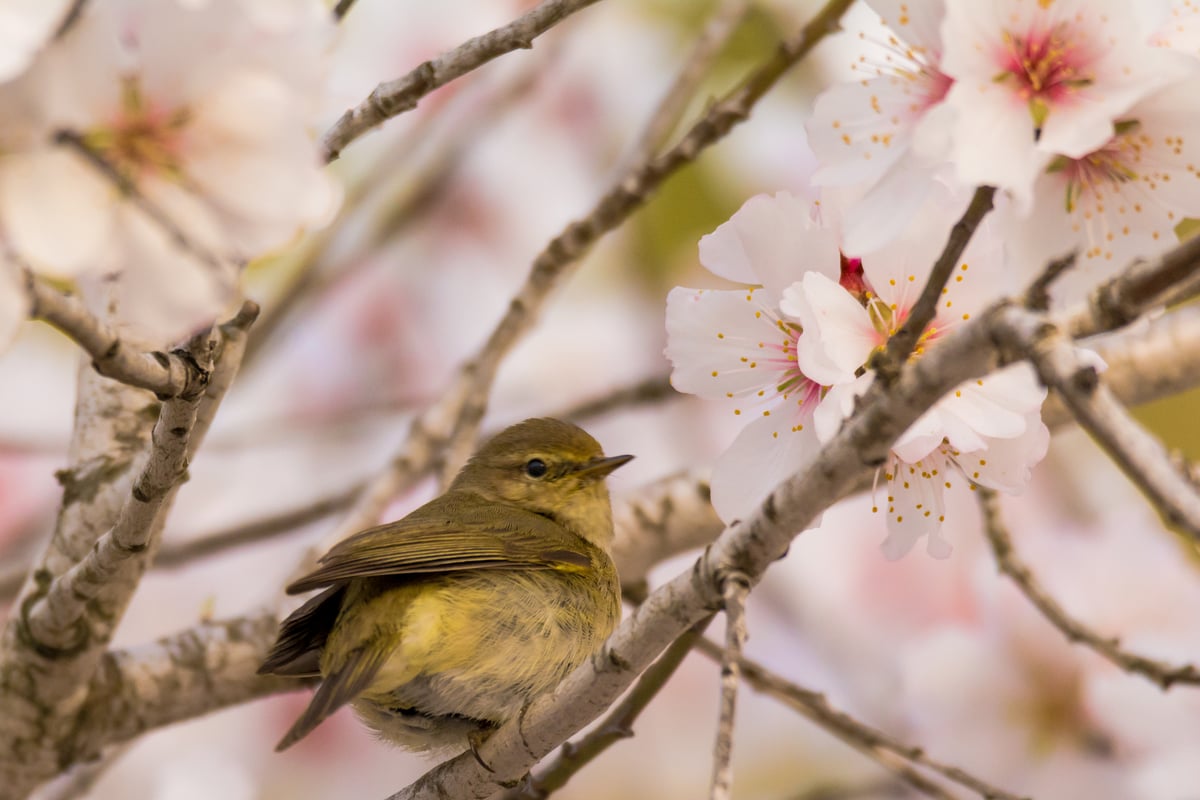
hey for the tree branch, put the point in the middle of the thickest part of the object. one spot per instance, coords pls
(862, 737)
(179, 677)
(901, 345)
(735, 590)
(165, 374)
(722, 24)
(393, 98)
(55, 622)
(618, 725)
(1139, 455)
(1010, 564)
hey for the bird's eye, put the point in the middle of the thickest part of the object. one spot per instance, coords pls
(535, 468)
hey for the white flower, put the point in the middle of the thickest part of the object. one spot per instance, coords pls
(886, 132)
(1038, 79)
(173, 145)
(986, 432)
(25, 26)
(737, 346)
(1120, 201)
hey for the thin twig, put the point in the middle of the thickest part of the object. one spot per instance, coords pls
(725, 20)
(395, 97)
(736, 590)
(616, 206)
(861, 736)
(166, 374)
(255, 531)
(1138, 453)
(1010, 564)
(901, 345)
(398, 197)
(643, 392)
(1037, 295)
(618, 725)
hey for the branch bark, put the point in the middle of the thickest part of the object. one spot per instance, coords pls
(165, 374)
(393, 98)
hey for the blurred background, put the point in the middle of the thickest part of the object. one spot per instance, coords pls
(365, 322)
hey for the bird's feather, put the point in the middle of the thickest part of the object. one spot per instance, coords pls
(451, 534)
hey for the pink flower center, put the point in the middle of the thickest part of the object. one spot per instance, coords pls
(1048, 66)
(142, 138)
(1111, 165)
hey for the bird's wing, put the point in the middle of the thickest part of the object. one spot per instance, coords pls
(340, 686)
(302, 635)
(451, 535)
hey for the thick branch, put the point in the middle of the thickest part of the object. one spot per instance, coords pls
(195, 672)
(1009, 563)
(395, 97)
(165, 374)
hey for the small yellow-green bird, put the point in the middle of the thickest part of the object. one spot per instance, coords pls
(443, 625)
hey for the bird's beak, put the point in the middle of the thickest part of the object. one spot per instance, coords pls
(599, 467)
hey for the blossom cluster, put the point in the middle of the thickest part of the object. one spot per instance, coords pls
(1082, 114)
(150, 148)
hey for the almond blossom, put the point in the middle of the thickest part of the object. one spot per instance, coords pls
(1122, 200)
(737, 346)
(1033, 81)
(834, 311)
(173, 140)
(886, 132)
(986, 432)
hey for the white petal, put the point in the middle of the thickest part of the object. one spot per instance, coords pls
(886, 211)
(165, 293)
(766, 452)
(915, 23)
(720, 344)
(855, 135)
(1007, 464)
(56, 210)
(915, 507)
(25, 25)
(922, 437)
(838, 336)
(771, 241)
(838, 404)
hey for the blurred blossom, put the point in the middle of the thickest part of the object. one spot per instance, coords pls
(14, 302)
(193, 113)
(796, 352)
(25, 26)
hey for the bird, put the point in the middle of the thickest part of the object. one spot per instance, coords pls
(439, 627)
